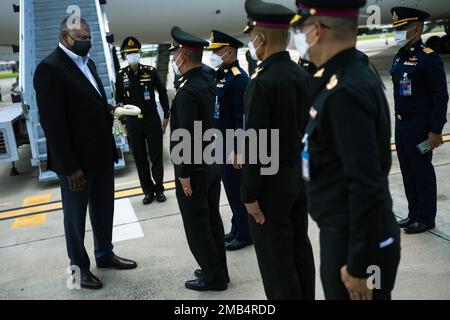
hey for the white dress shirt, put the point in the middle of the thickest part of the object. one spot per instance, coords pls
(81, 63)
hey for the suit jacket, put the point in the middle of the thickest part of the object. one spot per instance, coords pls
(76, 119)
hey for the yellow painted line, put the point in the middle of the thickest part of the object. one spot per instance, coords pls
(38, 209)
(36, 220)
(31, 201)
(128, 193)
(29, 221)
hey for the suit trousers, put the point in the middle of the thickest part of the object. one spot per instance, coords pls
(99, 196)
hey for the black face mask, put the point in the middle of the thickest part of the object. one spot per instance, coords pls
(81, 48)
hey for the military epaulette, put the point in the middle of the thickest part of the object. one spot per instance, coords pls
(428, 50)
(236, 71)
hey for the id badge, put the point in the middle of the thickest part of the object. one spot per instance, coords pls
(217, 109)
(305, 165)
(405, 86)
(146, 94)
(305, 159)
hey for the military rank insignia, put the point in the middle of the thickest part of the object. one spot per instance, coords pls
(332, 83)
(319, 73)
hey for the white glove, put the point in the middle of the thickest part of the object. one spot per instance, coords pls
(127, 110)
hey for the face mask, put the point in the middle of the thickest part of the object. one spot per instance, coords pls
(253, 50)
(216, 61)
(81, 48)
(302, 45)
(175, 67)
(401, 37)
(133, 58)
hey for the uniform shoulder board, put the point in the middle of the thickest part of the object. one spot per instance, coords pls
(236, 71)
(427, 50)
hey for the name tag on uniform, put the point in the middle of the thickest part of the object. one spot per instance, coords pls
(410, 63)
(146, 94)
(405, 86)
(217, 109)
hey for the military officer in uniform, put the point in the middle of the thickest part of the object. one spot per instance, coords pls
(231, 84)
(346, 157)
(421, 97)
(136, 85)
(197, 183)
(277, 100)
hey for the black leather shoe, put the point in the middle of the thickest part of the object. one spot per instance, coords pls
(89, 281)
(418, 227)
(199, 274)
(117, 263)
(201, 285)
(237, 245)
(161, 197)
(405, 223)
(229, 237)
(148, 198)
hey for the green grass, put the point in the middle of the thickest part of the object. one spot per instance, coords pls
(8, 75)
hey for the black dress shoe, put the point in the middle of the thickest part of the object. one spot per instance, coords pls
(161, 197)
(229, 237)
(148, 198)
(89, 281)
(199, 274)
(405, 223)
(201, 285)
(117, 263)
(237, 245)
(418, 227)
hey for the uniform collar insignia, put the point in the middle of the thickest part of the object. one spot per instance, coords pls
(332, 83)
(257, 71)
(181, 79)
(182, 85)
(319, 73)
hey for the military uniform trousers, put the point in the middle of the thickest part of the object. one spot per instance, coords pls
(282, 246)
(203, 224)
(231, 179)
(419, 177)
(333, 256)
(146, 139)
(99, 196)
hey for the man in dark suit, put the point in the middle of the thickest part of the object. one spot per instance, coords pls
(77, 122)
